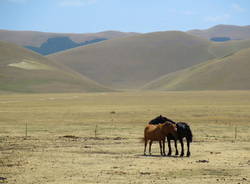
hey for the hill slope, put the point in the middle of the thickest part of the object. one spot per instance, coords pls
(48, 43)
(131, 62)
(22, 70)
(227, 73)
(36, 39)
(57, 44)
(224, 31)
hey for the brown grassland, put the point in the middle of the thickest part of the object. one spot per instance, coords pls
(96, 137)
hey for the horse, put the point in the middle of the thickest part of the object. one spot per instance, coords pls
(158, 133)
(183, 130)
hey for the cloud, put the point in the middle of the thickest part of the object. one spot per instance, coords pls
(236, 7)
(76, 3)
(218, 18)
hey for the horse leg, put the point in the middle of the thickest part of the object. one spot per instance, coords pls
(150, 144)
(176, 150)
(169, 147)
(182, 147)
(160, 147)
(188, 145)
(145, 146)
(163, 142)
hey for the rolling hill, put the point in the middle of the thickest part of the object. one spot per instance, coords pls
(35, 38)
(223, 33)
(227, 73)
(57, 44)
(48, 43)
(22, 70)
(133, 61)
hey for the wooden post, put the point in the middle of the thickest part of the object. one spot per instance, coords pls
(96, 131)
(26, 130)
(112, 113)
(235, 133)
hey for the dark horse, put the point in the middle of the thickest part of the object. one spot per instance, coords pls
(183, 130)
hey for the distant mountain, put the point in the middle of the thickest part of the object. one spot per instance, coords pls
(47, 43)
(36, 39)
(227, 73)
(53, 45)
(22, 70)
(223, 33)
(133, 61)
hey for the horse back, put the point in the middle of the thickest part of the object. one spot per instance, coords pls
(153, 132)
(183, 130)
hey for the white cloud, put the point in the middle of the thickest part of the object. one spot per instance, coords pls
(236, 7)
(76, 3)
(218, 18)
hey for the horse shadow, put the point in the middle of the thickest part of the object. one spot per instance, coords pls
(158, 156)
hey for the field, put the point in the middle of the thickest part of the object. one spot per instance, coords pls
(97, 138)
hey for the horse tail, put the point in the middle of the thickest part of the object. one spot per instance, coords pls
(189, 134)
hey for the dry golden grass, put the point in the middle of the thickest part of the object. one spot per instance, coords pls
(96, 138)
(132, 62)
(227, 73)
(25, 71)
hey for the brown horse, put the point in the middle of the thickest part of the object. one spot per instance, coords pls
(158, 133)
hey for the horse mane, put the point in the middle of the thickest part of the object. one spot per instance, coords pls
(160, 119)
(169, 120)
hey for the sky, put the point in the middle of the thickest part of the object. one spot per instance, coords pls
(87, 16)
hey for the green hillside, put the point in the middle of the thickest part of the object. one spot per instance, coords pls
(22, 70)
(132, 62)
(227, 73)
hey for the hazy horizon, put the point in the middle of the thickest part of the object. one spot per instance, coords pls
(88, 16)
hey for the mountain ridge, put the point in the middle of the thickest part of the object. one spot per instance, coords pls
(133, 61)
(233, 32)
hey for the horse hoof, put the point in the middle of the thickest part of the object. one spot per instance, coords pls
(181, 155)
(176, 153)
(188, 154)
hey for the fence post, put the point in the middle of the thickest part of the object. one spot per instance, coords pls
(26, 129)
(96, 130)
(235, 133)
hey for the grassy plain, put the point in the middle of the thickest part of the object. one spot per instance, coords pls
(96, 137)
